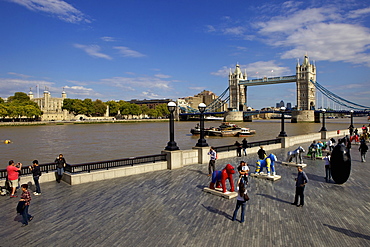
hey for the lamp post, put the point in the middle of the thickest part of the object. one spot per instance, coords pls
(323, 128)
(351, 126)
(202, 142)
(282, 132)
(171, 145)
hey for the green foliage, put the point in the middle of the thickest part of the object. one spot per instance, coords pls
(19, 105)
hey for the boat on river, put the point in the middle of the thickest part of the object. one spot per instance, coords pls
(224, 130)
(244, 132)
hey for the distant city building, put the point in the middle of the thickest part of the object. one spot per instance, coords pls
(206, 97)
(51, 107)
(289, 106)
(150, 103)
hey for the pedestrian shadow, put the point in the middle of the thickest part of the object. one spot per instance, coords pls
(217, 211)
(273, 198)
(315, 177)
(348, 232)
(18, 218)
(198, 171)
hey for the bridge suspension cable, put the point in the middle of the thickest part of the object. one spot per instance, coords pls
(337, 99)
(218, 102)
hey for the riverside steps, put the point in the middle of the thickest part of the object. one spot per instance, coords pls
(169, 208)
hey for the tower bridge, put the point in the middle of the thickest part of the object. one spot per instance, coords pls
(306, 86)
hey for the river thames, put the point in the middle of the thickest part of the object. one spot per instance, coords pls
(82, 143)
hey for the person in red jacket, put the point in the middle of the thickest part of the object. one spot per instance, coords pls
(13, 175)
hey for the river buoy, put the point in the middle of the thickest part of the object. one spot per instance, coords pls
(7, 141)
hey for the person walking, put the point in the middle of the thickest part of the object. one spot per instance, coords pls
(13, 176)
(300, 184)
(238, 149)
(313, 150)
(212, 161)
(26, 198)
(261, 153)
(60, 163)
(241, 200)
(327, 167)
(36, 173)
(363, 149)
(244, 145)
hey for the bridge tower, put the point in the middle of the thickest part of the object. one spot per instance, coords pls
(237, 92)
(306, 91)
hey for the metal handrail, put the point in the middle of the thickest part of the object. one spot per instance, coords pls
(91, 166)
(228, 148)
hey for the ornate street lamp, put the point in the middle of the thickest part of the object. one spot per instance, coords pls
(202, 142)
(171, 145)
(323, 128)
(351, 126)
(282, 132)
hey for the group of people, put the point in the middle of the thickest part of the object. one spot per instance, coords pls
(241, 146)
(13, 182)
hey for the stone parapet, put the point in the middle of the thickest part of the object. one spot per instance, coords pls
(178, 159)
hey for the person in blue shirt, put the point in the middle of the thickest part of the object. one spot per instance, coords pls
(300, 184)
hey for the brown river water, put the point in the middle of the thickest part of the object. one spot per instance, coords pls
(82, 143)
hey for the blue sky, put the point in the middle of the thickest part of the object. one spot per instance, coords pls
(145, 49)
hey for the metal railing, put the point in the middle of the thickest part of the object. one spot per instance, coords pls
(106, 165)
(48, 167)
(91, 166)
(228, 148)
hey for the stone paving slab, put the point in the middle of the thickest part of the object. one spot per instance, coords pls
(169, 208)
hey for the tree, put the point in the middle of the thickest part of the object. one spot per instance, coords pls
(3, 110)
(113, 107)
(89, 106)
(99, 107)
(19, 96)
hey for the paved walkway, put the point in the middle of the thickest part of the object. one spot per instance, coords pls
(169, 208)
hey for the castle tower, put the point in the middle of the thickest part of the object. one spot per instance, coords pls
(30, 94)
(64, 95)
(306, 91)
(237, 92)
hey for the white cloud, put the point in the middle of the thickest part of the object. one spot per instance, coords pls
(358, 13)
(138, 82)
(108, 39)
(257, 69)
(329, 32)
(197, 88)
(61, 9)
(9, 86)
(162, 76)
(149, 94)
(19, 75)
(93, 50)
(127, 52)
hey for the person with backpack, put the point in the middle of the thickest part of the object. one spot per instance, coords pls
(36, 173)
(241, 201)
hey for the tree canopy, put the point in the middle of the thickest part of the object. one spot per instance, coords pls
(18, 106)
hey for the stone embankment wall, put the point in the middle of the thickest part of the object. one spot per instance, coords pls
(178, 159)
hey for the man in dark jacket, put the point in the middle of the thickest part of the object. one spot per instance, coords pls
(60, 163)
(300, 184)
(261, 153)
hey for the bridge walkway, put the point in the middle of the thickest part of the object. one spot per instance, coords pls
(169, 208)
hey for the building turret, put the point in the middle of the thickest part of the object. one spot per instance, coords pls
(30, 94)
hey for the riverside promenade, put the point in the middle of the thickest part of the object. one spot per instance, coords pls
(169, 208)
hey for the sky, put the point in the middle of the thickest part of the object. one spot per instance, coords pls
(145, 49)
